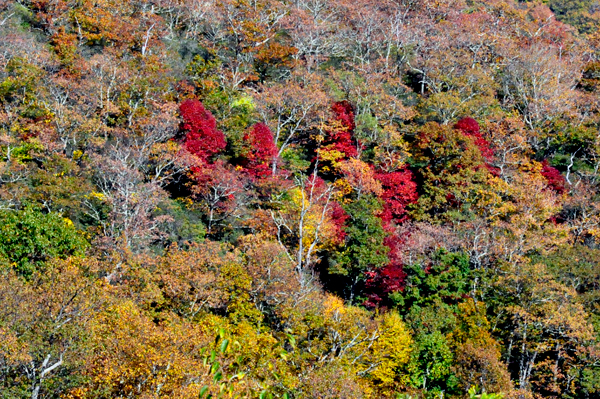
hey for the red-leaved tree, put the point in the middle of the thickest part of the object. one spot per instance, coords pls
(342, 139)
(555, 179)
(339, 217)
(260, 152)
(470, 127)
(202, 138)
(384, 281)
(399, 190)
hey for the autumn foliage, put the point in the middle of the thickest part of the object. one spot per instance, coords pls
(399, 191)
(555, 179)
(299, 199)
(201, 136)
(470, 127)
(341, 137)
(260, 152)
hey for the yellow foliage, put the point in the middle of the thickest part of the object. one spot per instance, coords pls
(96, 195)
(236, 283)
(135, 356)
(391, 353)
(343, 189)
(316, 222)
(12, 349)
(77, 154)
(333, 305)
(330, 155)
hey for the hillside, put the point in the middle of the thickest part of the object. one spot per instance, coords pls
(299, 199)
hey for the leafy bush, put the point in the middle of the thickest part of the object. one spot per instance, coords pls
(29, 238)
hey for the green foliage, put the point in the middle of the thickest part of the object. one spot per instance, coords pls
(577, 266)
(185, 223)
(295, 160)
(364, 249)
(22, 80)
(224, 378)
(452, 171)
(447, 279)
(59, 184)
(29, 238)
(590, 381)
(429, 301)
(578, 13)
(432, 362)
(26, 150)
(432, 357)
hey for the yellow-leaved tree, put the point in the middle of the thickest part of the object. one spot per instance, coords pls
(386, 365)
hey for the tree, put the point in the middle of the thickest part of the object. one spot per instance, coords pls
(451, 172)
(470, 127)
(546, 329)
(447, 278)
(135, 356)
(306, 224)
(555, 179)
(359, 178)
(247, 34)
(399, 192)
(364, 250)
(188, 278)
(341, 139)
(478, 363)
(200, 128)
(30, 238)
(123, 207)
(580, 14)
(261, 152)
(291, 108)
(46, 323)
(378, 103)
(222, 193)
(540, 84)
(316, 31)
(392, 352)
(432, 356)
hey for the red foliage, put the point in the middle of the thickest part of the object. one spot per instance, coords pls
(202, 137)
(342, 140)
(493, 170)
(344, 113)
(399, 190)
(470, 127)
(315, 184)
(388, 279)
(393, 275)
(261, 152)
(555, 179)
(452, 201)
(338, 217)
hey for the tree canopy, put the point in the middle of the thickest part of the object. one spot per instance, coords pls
(299, 199)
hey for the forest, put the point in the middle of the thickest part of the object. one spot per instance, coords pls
(329, 199)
